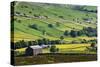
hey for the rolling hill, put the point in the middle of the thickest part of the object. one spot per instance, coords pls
(38, 20)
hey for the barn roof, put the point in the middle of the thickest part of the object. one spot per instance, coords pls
(36, 47)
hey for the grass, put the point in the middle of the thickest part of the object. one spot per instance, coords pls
(66, 48)
(21, 36)
(67, 53)
(71, 48)
(23, 31)
(54, 58)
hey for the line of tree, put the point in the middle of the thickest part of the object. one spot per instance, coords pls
(82, 8)
(88, 31)
(44, 41)
(54, 49)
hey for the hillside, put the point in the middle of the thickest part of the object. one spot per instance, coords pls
(36, 20)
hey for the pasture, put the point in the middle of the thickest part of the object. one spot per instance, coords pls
(67, 53)
(71, 28)
(64, 48)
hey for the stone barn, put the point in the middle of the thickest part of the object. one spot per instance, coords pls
(33, 50)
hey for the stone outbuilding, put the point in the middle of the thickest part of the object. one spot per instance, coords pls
(33, 50)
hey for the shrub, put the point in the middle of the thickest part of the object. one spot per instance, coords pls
(34, 26)
(61, 37)
(50, 25)
(30, 12)
(93, 45)
(73, 33)
(19, 21)
(61, 17)
(66, 33)
(53, 49)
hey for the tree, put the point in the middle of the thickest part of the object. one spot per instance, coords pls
(45, 41)
(25, 6)
(73, 33)
(61, 17)
(66, 33)
(44, 32)
(80, 32)
(92, 45)
(30, 43)
(61, 39)
(57, 49)
(79, 8)
(50, 25)
(34, 26)
(30, 12)
(16, 45)
(23, 44)
(89, 31)
(40, 42)
(19, 21)
(53, 49)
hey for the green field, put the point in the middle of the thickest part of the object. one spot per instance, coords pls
(22, 31)
(68, 17)
(70, 29)
(65, 48)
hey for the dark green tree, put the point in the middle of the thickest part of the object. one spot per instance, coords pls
(40, 42)
(44, 32)
(66, 33)
(30, 12)
(45, 41)
(34, 26)
(50, 25)
(73, 33)
(53, 49)
(80, 33)
(61, 37)
(61, 17)
(19, 21)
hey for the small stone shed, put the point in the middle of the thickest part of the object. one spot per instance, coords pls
(33, 50)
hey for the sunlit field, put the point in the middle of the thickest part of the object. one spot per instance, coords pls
(65, 48)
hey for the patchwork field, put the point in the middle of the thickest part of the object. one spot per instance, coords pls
(68, 31)
(62, 18)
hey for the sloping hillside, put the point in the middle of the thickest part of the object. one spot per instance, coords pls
(36, 20)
